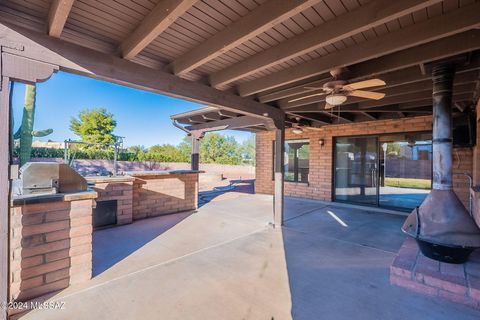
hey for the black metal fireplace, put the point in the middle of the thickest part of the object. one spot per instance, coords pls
(443, 228)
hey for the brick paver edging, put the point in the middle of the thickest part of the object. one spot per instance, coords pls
(459, 283)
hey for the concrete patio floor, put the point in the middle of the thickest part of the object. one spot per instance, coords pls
(225, 262)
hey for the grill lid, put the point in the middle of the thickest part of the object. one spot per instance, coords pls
(49, 178)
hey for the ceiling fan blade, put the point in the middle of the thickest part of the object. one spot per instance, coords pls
(312, 88)
(328, 106)
(367, 94)
(309, 96)
(365, 84)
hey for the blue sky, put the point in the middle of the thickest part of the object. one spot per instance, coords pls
(143, 118)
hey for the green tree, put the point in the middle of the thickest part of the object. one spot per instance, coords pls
(217, 148)
(393, 149)
(214, 148)
(247, 150)
(165, 153)
(185, 149)
(95, 125)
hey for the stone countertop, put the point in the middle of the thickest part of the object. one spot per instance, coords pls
(160, 172)
(19, 200)
(107, 179)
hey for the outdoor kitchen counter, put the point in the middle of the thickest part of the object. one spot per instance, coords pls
(161, 172)
(163, 192)
(19, 200)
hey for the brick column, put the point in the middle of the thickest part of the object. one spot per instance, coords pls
(50, 246)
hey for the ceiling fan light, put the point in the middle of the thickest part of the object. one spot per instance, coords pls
(335, 99)
(297, 130)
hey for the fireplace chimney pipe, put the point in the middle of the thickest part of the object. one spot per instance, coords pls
(442, 76)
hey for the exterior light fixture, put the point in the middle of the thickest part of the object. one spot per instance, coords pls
(335, 99)
(297, 130)
(321, 142)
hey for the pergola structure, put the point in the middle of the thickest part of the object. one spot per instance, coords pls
(259, 63)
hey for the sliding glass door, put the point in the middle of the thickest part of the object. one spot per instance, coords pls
(405, 170)
(356, 170)
(393, 171)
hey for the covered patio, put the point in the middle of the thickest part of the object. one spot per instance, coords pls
(290, 69)
(224, 262)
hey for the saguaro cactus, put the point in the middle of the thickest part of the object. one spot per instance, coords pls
(26, 133)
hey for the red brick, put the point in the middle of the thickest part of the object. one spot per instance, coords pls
(413, 285)
(45, 227)
(58, 235)
(45, 268)
(57, 255)
(44, 248)
(57, 275)
(47, 288)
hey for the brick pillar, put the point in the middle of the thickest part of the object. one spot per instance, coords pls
(50, 246)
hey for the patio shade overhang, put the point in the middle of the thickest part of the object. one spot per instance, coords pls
(258, 58)
(214, 119)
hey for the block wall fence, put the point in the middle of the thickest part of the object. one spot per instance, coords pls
(321, 157)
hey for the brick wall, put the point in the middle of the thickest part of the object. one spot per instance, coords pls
(50, 247)
(155, 195)
(321, 157)
(120, 189)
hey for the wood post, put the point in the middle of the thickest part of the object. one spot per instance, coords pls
(476, 150)
(4, 192)
(278, 201)
(195, 136)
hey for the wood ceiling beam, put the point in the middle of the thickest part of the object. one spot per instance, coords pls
(229, 124)
(158, 20)
(356, 21)
(461, 78)
(339, 115)
(398, 77)
(417, 34)
(76, 59)
(371, 116)
(57, 16)
(415, 96)
(266, 16)
(315, 117)
(355, 109)
(292, 91)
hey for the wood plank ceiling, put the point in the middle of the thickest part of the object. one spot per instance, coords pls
(274, 51)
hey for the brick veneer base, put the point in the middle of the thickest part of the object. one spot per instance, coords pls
(50, 245)
(119, 189)
(459, 283)
(155, 195)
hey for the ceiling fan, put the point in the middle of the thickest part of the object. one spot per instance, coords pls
(300, 127)
(337, 91)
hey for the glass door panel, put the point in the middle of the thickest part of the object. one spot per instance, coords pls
(405, 170)
(356, 170)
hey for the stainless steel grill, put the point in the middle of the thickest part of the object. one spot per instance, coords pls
(37, 178)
